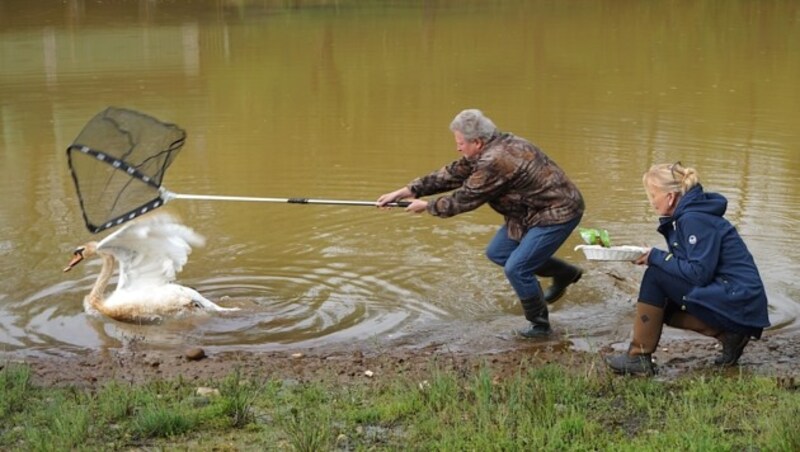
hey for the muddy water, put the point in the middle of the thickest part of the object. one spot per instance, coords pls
(338, 101)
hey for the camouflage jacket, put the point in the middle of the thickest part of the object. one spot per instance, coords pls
(516, 178)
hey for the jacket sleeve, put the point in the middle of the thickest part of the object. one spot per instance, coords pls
(487, 181)
(695, 253)
(445, 179)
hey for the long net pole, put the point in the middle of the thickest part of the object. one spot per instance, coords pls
(168, 196)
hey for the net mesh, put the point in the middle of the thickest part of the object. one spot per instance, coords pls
(118, 163)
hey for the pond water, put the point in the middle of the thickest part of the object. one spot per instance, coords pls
(349, 100)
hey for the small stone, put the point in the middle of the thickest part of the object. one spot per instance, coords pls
(195, 354)
(203, 391)
(369, 373)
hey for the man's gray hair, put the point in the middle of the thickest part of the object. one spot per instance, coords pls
(473, 125)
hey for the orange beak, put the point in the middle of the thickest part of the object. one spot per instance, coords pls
(76, 259)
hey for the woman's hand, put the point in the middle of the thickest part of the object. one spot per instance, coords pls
(642, 260)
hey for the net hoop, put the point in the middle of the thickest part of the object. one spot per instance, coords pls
(120, 165)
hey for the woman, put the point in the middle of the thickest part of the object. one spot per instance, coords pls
(706, 281)
(540, 204)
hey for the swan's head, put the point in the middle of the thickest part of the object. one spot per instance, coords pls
(82, 252)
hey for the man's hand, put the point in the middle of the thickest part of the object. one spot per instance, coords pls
(417, 206)
(396, 195)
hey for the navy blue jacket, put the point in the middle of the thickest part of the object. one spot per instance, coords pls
(707, 251)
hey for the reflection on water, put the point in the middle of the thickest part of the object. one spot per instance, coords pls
(343, 100)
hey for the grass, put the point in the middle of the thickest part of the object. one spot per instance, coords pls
(540, 408)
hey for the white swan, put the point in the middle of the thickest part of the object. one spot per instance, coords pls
(150, 252)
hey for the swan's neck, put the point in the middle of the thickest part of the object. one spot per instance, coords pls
(95, 297)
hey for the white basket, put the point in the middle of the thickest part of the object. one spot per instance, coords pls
(614, 253)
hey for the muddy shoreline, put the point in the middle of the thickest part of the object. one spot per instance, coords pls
(414, 356)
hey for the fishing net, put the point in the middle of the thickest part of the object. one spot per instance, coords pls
(118, 163)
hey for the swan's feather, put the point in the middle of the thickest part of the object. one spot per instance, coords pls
(150, 251)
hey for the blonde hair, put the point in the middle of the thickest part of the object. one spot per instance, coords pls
(671, 177)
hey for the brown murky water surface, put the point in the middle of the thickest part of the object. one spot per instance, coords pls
(340, 100)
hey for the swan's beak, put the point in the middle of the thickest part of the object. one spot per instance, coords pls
(76, 259)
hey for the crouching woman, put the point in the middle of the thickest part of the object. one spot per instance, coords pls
(706, 281)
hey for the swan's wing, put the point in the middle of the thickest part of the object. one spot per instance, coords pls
(151, 250)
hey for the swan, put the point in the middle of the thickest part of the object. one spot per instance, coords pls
(150, 251)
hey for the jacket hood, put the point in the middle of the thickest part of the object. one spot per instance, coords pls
(696, 200)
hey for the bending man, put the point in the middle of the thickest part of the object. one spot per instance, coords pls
(540, 204)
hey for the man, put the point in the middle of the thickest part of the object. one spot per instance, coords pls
(541, 207)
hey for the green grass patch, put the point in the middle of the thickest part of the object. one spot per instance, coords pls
(540, 408)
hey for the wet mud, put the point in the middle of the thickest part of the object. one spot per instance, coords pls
(414, 357)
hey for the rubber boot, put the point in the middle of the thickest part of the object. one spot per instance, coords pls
(647, 328)
(732, 343)
(732, 347)
(536, 313)
(563, 275)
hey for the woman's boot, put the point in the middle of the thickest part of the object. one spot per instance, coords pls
(732, 347)
(732, 343)
(647, 328)
(536, 313)
(563, 275)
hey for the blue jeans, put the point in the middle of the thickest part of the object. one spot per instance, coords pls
(521, 259)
